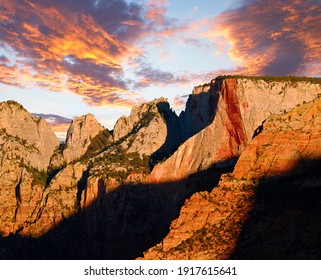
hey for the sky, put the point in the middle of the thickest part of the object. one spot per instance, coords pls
(72, 57)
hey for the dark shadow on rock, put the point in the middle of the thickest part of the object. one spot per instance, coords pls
(285, 222)
(194, 119)
(190, 122)
(173, 134)
(258, 130)
(120, 224)
(82, 184)
(99, 143)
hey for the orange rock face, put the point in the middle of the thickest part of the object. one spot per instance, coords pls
(239, 108)
(287, 139)
(103, 204)
(237, 219)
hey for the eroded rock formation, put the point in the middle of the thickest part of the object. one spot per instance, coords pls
(151, 128)
(240, 106)
(97, 198)
(80, 135)
(26, 146)
(261, 209)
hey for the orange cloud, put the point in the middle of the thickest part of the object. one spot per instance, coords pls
(272, 37)
(82, 46)
(156, 14)
(158, 2)
(60, 50)
(156, 11)
(8, 75)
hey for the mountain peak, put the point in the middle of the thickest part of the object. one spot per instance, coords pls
(150, 128)
(31, 132)
(79, 136)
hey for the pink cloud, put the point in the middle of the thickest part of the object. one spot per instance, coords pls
(59, 49)
(272, 37)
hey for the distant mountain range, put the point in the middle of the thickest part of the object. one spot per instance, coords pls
(58, 123)
(53, 119)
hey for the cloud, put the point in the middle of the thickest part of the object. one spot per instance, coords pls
(4, 60)
(83, 46)
(156, 14)
(69, 45)
(272, 37)
(162, 27)
(150, 76)
(179, 101)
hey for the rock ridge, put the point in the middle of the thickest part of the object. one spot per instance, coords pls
(251, 214)
(242, 106)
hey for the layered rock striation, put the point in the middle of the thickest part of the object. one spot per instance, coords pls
(239, 106)
(267, 208)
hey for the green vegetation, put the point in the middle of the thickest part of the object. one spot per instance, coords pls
(39, 176)
(21, 141)
(147, 118)
(119, 165)
(292, 79)
(98, 143)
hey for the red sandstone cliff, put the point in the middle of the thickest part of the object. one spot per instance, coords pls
(242, 106)
(106, 205)
(267, 207)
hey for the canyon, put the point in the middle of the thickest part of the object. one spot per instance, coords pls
(207, 184)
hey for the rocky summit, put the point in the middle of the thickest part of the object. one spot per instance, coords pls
(234, 176)
(240, 106)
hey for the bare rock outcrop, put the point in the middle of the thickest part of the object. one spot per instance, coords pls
(26, 146)
(61, 200)
(79, 136)
(287, 140)
(151, 128)
(267, 208)
(199, 111)
(19, 126)
(240, 105)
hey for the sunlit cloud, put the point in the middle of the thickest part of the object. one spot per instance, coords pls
(104, 50)
(179, 101)
(61, 50)
(271, 37)
(83, 46)
(4, 60)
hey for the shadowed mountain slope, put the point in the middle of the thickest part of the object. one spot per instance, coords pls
(103, 203)
(267, 208)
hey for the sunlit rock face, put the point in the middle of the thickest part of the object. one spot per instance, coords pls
(267, 208)
(20, 127)
(58, 124)
(79, 136)
(288, 140)
(60, 201)
(151, 128)
(98, 199)
(236, 107)
(26, 146)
